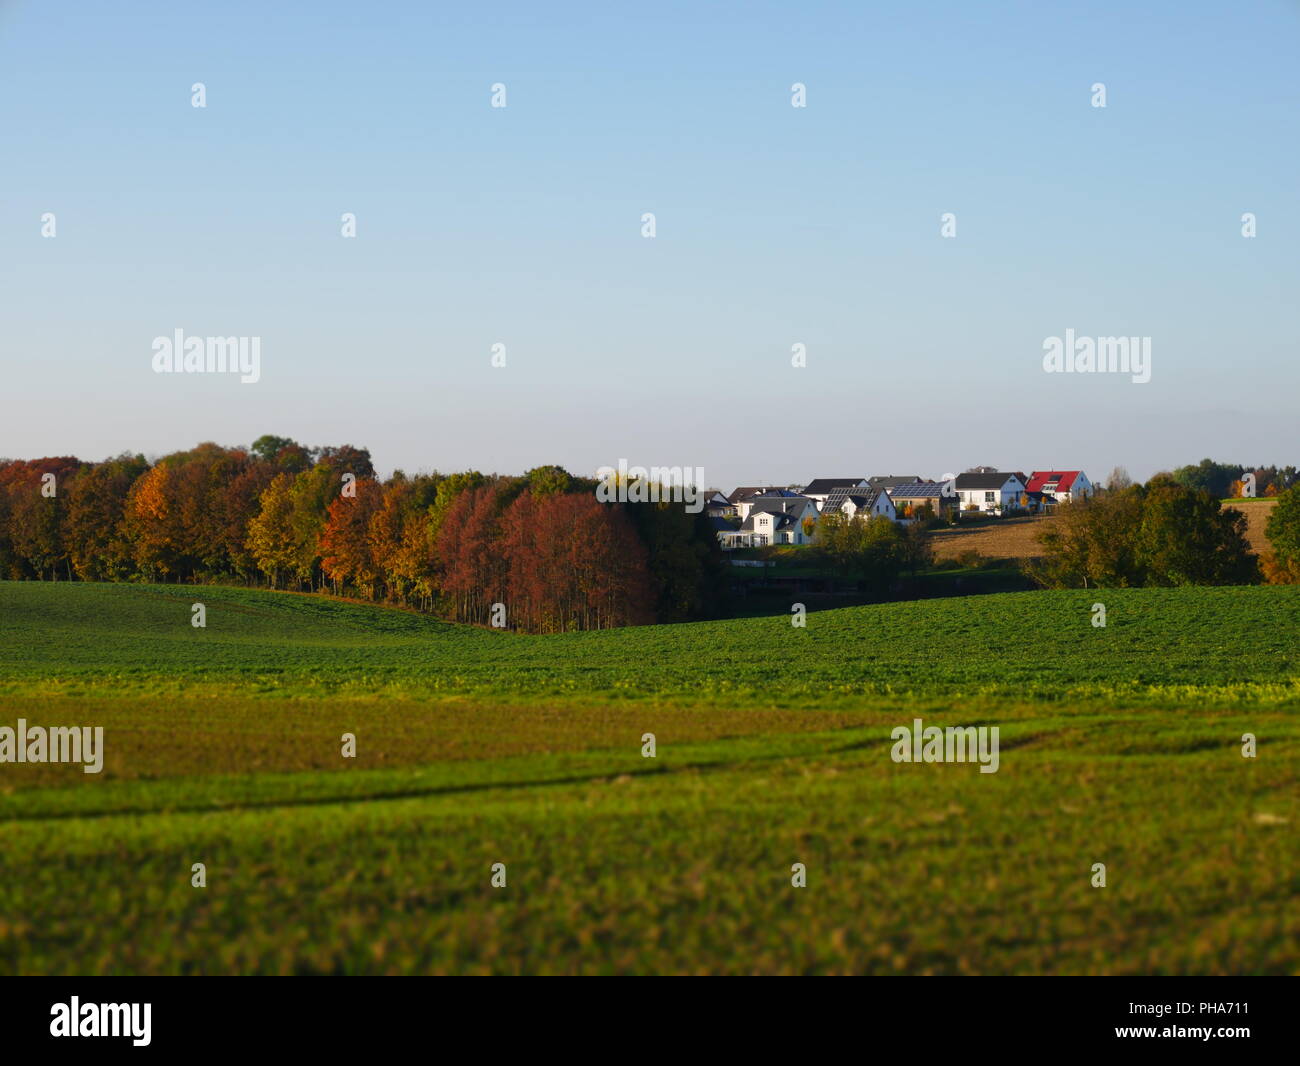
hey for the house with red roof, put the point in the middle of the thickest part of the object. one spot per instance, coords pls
(1060, 485)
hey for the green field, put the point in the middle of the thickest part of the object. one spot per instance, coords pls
(1118, 745)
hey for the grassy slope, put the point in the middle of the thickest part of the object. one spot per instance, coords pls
(773, 748)
(1158, 643)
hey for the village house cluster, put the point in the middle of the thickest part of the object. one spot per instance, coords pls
(755, 515)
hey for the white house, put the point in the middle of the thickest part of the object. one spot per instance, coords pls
(779, 522)
(1062, 485)
(775, 527)
(820, 488)
(860, 503)
(783, 499)
(992, 492)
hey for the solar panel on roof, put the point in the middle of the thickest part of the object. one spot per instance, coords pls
(836, 499)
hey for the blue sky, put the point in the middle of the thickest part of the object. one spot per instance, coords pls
(775, 226)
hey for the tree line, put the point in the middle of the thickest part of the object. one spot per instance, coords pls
(319, 520)
(1165, 533)
(1228, 480)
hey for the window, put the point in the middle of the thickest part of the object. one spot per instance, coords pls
(988, 497)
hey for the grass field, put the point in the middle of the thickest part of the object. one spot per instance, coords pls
(1118, 745)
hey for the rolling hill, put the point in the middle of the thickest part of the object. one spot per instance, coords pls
(223, 747)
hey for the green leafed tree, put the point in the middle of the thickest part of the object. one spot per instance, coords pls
(1163, 533)
(1283, 532)
(871, 552)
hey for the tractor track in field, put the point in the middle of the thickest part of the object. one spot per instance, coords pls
(391, 795)
(714, 765)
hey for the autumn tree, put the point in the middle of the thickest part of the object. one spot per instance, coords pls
(473, 567)
(345, 459)
(98, 543)
(310, 497)
(346, 547)
(270, 532)
(400, 538)
(573, 563)
(417, 558)
(610, 565)
(34, 513)
(237, 502)
(449, 489)
(174, 514)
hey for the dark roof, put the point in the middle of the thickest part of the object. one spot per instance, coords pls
(889, 481)
(779, 505)
(862, 498)
(745, 492)
(930, 490)
(822, 485)
(722, 525)
(984, 481)
(777, 494)
(782, 519)
(835, 500)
